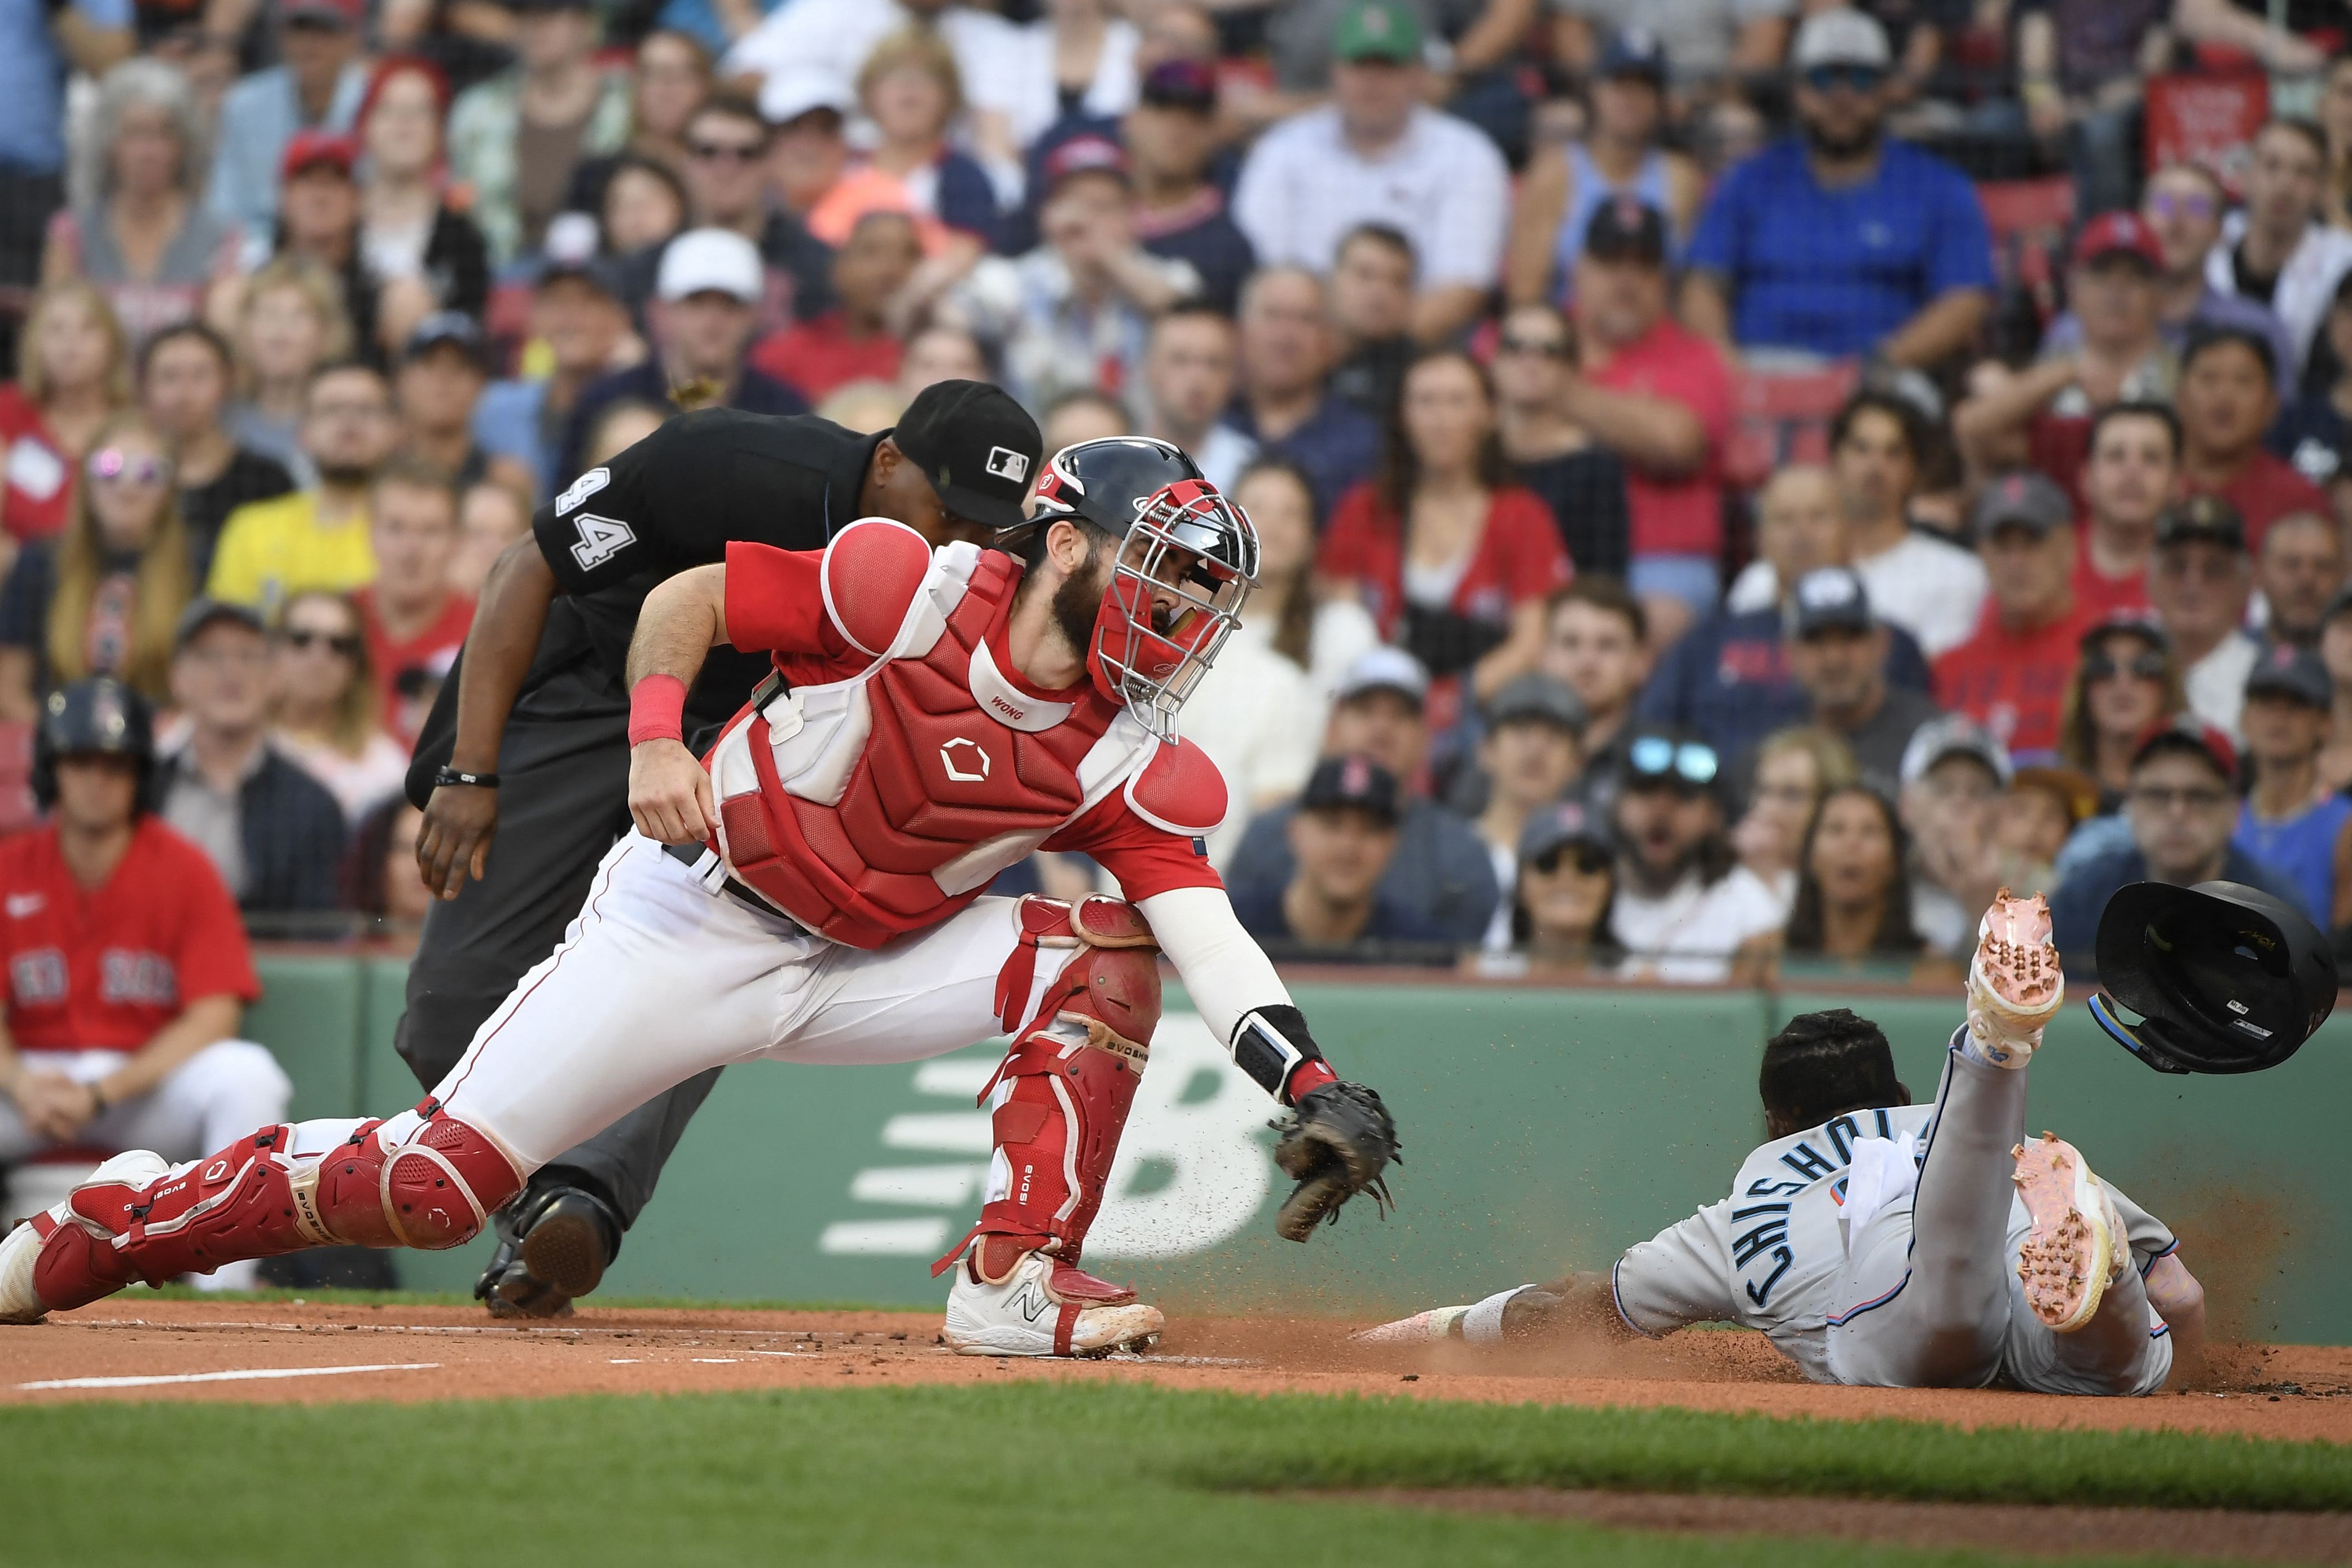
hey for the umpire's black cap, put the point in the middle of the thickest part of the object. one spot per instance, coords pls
(978, 447)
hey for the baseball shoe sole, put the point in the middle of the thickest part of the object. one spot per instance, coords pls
(2015, 984)
(21, 1251)
(1023, 1316)
(2076, 1244)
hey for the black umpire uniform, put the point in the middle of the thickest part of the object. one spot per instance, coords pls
(671, 502)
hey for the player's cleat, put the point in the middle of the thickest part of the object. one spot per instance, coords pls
(567, 1241)
(2077, 1244)
(2015, 985)
(1043, 1308)
(20, 1302)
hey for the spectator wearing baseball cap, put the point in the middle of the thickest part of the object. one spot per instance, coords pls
(579, 309)
(443, 368)
(1074, 314)
(724, 167)
(2291, 823)
(2182, 808)
(1660, 397)
(520, 160)
(1620, 156)
(1729, 677)
(1377, 154)
(1842, 241)
(1343, 835)
(2226, 399)
(1440, 872)
(2011, 676)
(1563, 897)
(1952, 777)
(2200, 582)
(319, 87)
(1837, 654)
(1529, 756)
(1172, 136)
(706, 304)
(2117, 354)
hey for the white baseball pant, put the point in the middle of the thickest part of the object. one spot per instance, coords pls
(663, 975)
(1931, 1297)
(209, 1100)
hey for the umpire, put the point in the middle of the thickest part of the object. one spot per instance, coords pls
(522, 767)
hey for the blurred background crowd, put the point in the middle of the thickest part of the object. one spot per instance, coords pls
(1740, 480)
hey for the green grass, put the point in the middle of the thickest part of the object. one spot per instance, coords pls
(1019, 1473)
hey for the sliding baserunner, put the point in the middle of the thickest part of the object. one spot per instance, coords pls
(1884, 1243)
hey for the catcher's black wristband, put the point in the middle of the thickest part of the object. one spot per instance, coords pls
(448, 775)
(1270, 1043)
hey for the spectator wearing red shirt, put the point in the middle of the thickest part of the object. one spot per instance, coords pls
(2011, 676)
(1452, 560)
(126, 967)
(2130, 471)
(414, 620)
(2041, 416)
(76, 371)
(2228, 397)
(852, 342)
(1660, 397)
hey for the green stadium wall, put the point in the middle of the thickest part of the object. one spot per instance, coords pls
(1544, 1129)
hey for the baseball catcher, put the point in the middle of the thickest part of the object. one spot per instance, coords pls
(1936, 1246)
(809, 892)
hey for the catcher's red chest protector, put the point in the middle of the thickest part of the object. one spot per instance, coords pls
(875, 805)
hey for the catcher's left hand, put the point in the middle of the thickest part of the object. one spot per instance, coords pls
(1336, 1142)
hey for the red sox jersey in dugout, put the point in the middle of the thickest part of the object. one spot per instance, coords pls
(104, 970)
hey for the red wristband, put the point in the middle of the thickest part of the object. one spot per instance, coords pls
(657, 709)
(1312, 1073)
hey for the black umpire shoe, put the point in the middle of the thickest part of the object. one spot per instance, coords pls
(565, 1239)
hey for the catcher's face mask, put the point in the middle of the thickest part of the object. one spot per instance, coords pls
(1176, 593)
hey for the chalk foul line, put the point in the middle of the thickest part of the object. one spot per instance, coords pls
(241, 1376)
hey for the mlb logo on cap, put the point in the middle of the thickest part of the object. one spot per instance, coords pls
(1006, 464)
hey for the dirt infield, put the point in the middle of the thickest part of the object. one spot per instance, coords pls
(132, 1349)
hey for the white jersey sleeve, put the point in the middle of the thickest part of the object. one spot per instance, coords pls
(1679, 1277)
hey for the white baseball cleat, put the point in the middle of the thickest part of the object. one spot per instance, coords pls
(20, 1302)
(1026, 1315)
(2077, 1245)
(2015, 984)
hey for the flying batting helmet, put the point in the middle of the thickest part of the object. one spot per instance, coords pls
(98, 714)
(2224, 977)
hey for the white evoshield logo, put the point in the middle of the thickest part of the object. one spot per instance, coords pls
(587, 484)
(1007, 463)
(958, 755)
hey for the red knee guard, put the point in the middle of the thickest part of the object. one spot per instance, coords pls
(1064, 1091)
(238, 1205)
(433, 1192)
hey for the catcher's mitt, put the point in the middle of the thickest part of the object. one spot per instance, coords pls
(1336, 1142)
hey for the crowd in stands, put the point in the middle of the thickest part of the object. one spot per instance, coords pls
(1739, 481)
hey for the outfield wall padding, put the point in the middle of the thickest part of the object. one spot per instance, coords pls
(1543, 1129)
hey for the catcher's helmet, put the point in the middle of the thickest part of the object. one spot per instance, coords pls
(1105, 482)
(97, 715)
(2224, 977)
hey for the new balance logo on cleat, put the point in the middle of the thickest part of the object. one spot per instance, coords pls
(1032, 1302)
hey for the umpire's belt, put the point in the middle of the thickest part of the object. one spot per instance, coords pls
(706, 864)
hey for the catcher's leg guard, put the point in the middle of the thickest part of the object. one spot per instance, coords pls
(1062, 1095)
(431, 1187)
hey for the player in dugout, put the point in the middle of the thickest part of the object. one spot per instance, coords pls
(126, 967)
(809, 891)
(1883, 1243)
(521, 771)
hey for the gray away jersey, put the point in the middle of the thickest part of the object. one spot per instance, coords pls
(1772, 1255)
